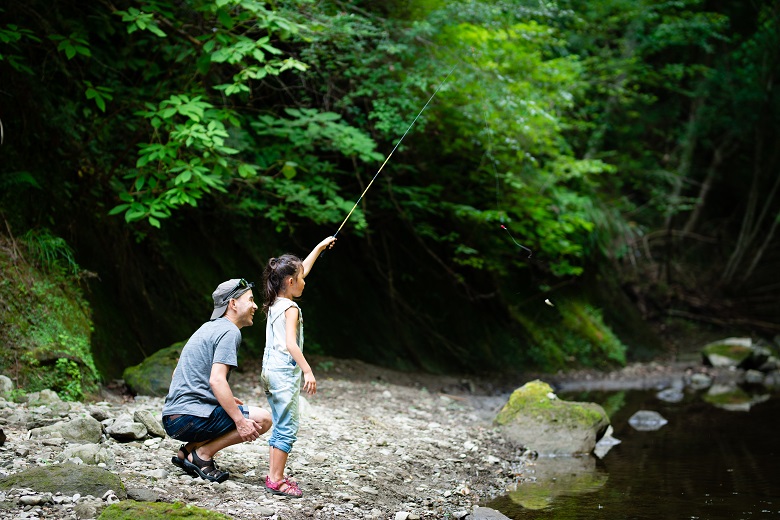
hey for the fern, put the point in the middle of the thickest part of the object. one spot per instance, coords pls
(49, 251)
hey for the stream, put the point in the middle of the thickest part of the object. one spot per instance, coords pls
(707, 462)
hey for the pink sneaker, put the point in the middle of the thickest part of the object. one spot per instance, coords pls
(284, 487)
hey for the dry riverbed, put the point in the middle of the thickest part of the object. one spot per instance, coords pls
(373, 444)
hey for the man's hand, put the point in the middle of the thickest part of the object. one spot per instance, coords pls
(248, 429)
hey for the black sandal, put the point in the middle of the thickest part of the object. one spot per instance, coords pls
(177, 461)
(206, 469)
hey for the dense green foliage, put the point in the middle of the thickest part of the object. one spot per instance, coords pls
(631, 139)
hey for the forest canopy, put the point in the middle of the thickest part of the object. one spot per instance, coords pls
(613, 157)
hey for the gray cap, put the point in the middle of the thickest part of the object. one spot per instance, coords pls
(226, 291)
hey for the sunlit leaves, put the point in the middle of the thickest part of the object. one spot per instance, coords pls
(309, 129)
(191, 160)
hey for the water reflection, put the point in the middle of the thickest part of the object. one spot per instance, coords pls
(706, 462)
(558, 477)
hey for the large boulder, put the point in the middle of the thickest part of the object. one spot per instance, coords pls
(153, 375)
(124, 428)
(66, 478)
(6, 387)
(81, 430)
(534, 417)
(150, 421)
(736, 353)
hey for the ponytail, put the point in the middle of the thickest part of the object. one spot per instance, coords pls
(274, 275)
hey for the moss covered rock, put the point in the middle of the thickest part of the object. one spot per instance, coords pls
(736, 352)
(130, 510)
(153, 375)
(67, 478)
(729, 352)
(534, 417)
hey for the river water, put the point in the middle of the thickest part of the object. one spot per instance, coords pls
(706, 463)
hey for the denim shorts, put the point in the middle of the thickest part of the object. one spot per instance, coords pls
(196, 429)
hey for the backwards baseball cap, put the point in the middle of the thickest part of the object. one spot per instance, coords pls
(225, 292)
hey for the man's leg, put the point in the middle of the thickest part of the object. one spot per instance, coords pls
(207, 449)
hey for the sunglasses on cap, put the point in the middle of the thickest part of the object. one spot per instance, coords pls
(241, 286)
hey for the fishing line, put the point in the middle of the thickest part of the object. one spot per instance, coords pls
(515, 241)
(393, 151)
(489, 156)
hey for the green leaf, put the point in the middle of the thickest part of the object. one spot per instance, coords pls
(289, 170)
(118, 209)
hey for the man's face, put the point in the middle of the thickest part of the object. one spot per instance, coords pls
(245, 309)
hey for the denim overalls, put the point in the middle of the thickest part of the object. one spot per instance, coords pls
(281, 376)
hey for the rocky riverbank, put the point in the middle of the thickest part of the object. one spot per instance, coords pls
(373, 444)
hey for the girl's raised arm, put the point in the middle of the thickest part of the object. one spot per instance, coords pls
(308, 263)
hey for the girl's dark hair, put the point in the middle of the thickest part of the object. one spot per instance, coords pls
(277, 270)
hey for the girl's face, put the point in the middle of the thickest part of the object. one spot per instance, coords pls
(297, 284)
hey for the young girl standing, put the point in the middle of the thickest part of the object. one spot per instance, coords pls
(283, 361)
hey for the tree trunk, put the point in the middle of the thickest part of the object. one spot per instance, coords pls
(725, 149)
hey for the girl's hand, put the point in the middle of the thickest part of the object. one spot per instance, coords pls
(328, 243)
(237, 400)
(309, 383)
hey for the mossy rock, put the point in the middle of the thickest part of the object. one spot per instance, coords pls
(727, 352)
(153, 375)
(130, 510)
(534, 417)
(67, 478)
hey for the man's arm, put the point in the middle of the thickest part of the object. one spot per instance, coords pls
(247, 428)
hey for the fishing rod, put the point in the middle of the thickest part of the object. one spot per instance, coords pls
(393, 151)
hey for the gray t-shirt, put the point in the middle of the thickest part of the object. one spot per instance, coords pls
(216, 341)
